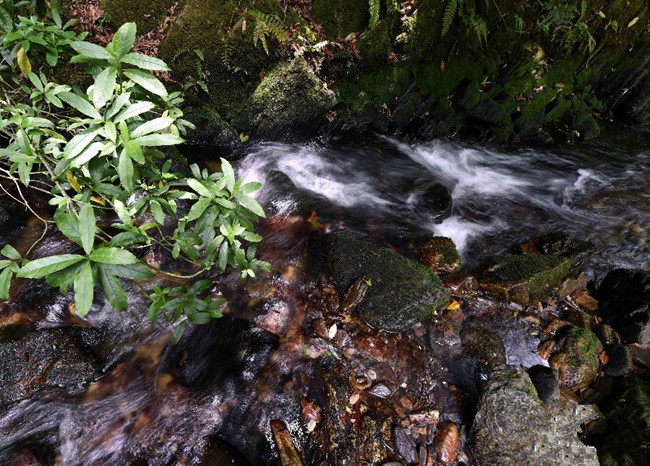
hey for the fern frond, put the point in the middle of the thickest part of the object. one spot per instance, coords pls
(479, 27)
(374, 7)
(267, 26)
(449, 16)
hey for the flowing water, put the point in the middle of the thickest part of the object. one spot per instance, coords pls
(162, 404)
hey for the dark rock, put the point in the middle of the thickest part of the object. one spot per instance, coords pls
(546, 383)
(41, 359)
(483, 345)
(606, 334)
(432, 200)
(640, 356)
(438, 254)
(571, 285)
(402, 292)
(522, 278)
(577, 357)
(624, 297)
(578, 317)
(405, 446)
(620, 361)
(626, 419)
(512, 427)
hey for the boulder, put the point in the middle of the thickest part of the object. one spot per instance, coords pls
(512, 427)
(147, 14)
(546, 383)
(624, 297)
(523, 278)
(401, 292)
(438, 254)
(289, 104)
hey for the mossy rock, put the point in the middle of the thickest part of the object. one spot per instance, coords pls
(339, 18)
(233, 63)
(438, 254)
(402, 293)
(147, 14)
(289, 104)
(211, 129)
(577, 361)
(375, 46)
(523, 278)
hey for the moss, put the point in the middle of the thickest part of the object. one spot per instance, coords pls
(402, 292)
(523, 278)
(147, 14)
(233, 62)
(375, 46)
(290, 103)
(339, 18)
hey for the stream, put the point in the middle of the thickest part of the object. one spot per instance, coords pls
(211, 398)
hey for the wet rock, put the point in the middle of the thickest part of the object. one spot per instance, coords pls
(626, 424)
(42, 359)
(522, 278)
(546, 383)
(430, 200)
(620, 361)
(578, 317)
(571, 285)
(624, 297)
(586, 301)
(355, 294)
(560, 245)
(405, 445)
(640, 356)
(438, 254)
(402, 292)
(576, 357)
(513, 428)
(447, 441)
(483, 345)
(606, 334)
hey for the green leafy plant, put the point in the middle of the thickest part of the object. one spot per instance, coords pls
(265, 27)
(565, 23)
(466, 10)
(97, 155)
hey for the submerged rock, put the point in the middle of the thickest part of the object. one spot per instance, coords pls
(560, 245)
(43, 359)
(438, 254)
(512, 427)
(624, 297)
(401, 293)
(523, 278)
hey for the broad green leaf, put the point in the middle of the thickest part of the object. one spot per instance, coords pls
(104, 87)
(68, 225)
(145, 62)
(252, 205)
(47, 265)
(197, 186)
(84, 289)
(89, 50)
(155, 125)
(250, 187)
(137, 271)
(178, 332)
(117, 105)
(80, 104)
(159, 140)
(5, 283)
(114, 256)
(197, 209)
(35, 81)
(87, 227)
(10, 252)
(228, 173)
(125, 171)
(251, 237)
(112, 289)
(87, 154)
(77, 144)
(124, 39)
(157, 212)
(223, 256)
(135, 151)
(133, 111)
(23, 61)
(147, 81)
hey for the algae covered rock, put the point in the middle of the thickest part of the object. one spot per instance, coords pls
(576, 357)
(42, 359)
(438, 254)
(147, 14)
(401, 292)
(513, 428)
(523, 278)
(290, 103)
